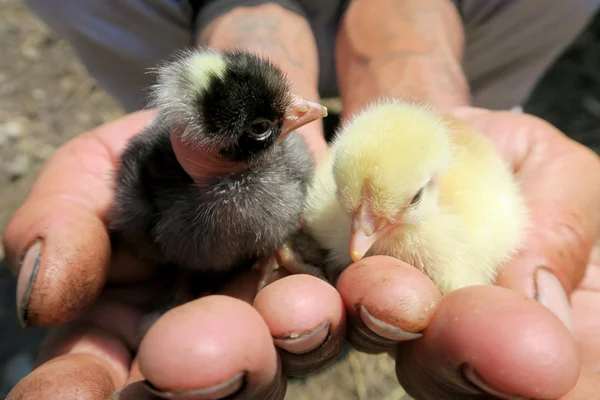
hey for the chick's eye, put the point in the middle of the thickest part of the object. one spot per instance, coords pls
(259, 130)
(417, 197)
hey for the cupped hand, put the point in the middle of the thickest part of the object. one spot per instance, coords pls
(535, 334)
(471, 343)
(70, 279)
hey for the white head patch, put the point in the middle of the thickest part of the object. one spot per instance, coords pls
(200, 66)
(181, 81)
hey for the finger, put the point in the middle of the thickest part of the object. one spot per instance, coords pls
(57, 241)
(487, 340)
(135, 375)
(591, 280)
(586, 309)
(78, 361)
(127, 268)
(561, 183)
(144, 295)
(586, 306)
(306, 318)
(564, 223)
(210, 348)
(116, 318)
(587, 387)
(243, 286)
(387, 301)
(135, 389)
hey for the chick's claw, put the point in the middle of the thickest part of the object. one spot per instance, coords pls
(285, 258)
(268, 270)
(294, 264)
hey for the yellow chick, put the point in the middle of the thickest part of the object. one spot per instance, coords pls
(404, 181)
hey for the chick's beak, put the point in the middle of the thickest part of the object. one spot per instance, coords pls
(366, 230)
(300, 113)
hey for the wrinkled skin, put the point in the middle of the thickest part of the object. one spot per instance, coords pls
(492, 329)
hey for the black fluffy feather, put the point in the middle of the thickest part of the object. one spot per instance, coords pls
(166, 218)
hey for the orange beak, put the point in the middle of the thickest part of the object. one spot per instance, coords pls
(366, 230)
(300, 113)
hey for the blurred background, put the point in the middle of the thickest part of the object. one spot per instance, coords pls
(46, 98)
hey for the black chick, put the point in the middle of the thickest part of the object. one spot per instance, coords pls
(216, 181)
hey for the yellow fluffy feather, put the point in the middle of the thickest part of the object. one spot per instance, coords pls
(404, 181)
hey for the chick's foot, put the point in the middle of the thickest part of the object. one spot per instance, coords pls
(285, 257)
(268, 271)
(293, 263)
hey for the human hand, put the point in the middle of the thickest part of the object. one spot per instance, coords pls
(92, 354)
(489, 340)
(71, 277)
(66, 284)
(413, 50)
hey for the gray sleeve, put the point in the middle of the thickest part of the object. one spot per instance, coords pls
(212, 9)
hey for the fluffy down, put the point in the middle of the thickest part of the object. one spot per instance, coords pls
(468, 219)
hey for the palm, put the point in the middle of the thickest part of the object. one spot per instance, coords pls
(586, 308)
(95, 349)
(517, 138)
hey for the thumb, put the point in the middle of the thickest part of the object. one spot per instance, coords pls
(57, 242)
(561, 183)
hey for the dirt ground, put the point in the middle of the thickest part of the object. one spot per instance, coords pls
(46, 97)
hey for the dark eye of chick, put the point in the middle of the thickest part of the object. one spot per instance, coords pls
(417, 197)
(260, 129)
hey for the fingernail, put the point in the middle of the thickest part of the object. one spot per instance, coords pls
(473, 377)
(301, 344)
(550, 293)
(219, 391)
(27, 274)
(384, 329)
